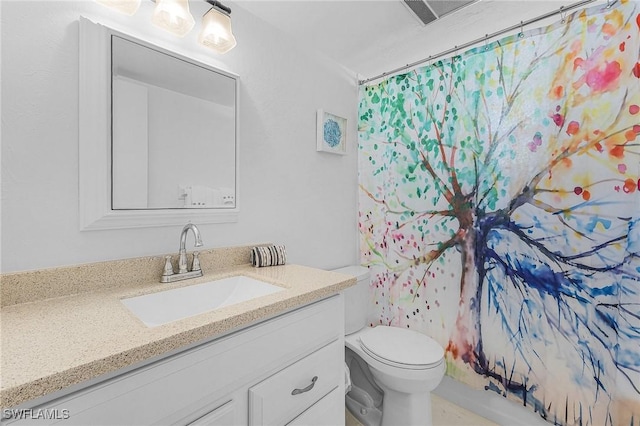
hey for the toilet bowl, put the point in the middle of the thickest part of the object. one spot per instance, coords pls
(404, 366)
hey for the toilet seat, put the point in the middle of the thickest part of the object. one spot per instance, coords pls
(401, 348)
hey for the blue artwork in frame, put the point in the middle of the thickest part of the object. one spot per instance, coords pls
(331, 133)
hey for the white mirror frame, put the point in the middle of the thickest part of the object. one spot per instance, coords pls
(95, 143)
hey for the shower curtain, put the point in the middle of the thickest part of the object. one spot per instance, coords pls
(500, 213)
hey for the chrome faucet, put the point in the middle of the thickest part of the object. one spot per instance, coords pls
(183, 273)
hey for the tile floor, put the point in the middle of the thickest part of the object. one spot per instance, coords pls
(445, 413)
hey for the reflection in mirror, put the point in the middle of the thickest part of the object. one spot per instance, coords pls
(173, 131)
(140, 164)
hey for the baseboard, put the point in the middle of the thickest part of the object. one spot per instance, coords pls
(488, 404)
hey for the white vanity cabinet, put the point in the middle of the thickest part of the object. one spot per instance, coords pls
(263, 374)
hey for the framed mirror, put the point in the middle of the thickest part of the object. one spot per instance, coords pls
(158, 135)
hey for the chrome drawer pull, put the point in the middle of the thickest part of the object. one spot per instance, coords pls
(307, 389)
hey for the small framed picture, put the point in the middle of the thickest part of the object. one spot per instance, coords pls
(332, 133)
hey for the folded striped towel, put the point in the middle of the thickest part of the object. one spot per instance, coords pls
(268, 256)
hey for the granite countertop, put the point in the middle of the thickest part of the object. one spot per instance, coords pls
(51, 344)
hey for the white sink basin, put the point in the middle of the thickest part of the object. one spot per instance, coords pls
(171, 305)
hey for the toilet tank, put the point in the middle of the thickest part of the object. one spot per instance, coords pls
(356, 298)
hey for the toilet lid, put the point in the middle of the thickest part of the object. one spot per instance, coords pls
(401, 348)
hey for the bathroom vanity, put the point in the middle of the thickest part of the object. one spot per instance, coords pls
(277, 359)
(286, 370)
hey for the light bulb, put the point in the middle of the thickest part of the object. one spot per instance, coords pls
(216, 31)
(128, 7)
(173, 16)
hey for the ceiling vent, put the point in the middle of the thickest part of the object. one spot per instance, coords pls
(429, 10)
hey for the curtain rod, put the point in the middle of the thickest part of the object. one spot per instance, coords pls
(485, 38)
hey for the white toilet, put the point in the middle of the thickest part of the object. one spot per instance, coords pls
(393, 370)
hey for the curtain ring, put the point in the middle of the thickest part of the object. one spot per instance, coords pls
(563, 15)
(486, 42)
(521, 35)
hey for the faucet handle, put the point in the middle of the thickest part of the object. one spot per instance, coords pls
(195, 266)
(168, 267)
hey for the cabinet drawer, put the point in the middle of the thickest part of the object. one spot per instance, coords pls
(329, 411)
(286, 394)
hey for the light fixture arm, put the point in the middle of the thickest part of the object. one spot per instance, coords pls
(218, 5)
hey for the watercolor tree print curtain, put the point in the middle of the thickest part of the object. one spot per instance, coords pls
(500, 213)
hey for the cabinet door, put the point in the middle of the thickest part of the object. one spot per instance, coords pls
(329, 411)
(221, 416)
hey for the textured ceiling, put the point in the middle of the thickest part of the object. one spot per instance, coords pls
(370, 37)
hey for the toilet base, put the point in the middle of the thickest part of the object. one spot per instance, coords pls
(403, 409)
(360, 405)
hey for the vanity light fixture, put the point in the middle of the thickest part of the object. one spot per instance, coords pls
(216, 28)
(128, 7)
(173, 16)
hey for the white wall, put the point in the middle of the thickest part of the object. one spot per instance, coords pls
(289, 193)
